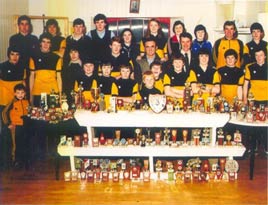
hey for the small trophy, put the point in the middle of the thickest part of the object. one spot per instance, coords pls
(53, 99)
(187, 97)
(220, 136)
(184, 136)
(206, 134)
(80, 97)
(196, 136)
(95, 93)
(166, 136)
(64, 104)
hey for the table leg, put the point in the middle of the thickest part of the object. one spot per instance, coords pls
(72, 163)
(252, 156)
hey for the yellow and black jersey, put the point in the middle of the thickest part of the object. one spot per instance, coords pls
(87, 83)
(10, 75)
(13, 112)
(106, 84)
(159, 84)
(230, 79)
(221, 45)
(145, 92)
(208, 77)
(250, 49)
(258, 77)
(45, 66)
(161, 43)
(126, 87)
(174, 79)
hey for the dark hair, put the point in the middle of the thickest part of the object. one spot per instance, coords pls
(231, 23)
(125, 66)
(257, 26)
(78, 21)
(53, 22)
(100, 17)
(45, 35)
(160, 33)
(26, 18)
(106, 63)
(231, 52)
(19, 86)
(149, 39)
(133, 39)
(176, 23)
(116, 39)
(12, 48)
(178, 56)
(186, 35)
(156, 62)
(201, 27)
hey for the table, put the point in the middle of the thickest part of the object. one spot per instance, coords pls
(67, 127)
(146, 119)
(250, 127)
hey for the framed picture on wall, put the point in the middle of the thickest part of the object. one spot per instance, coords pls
(134, 6)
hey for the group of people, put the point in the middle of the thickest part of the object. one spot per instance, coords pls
(127, 69)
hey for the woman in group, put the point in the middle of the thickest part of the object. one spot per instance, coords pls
(174, 45)
(129, 44)
(154, 31)
(58, 42)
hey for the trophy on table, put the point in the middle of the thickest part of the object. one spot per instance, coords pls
(80, 97)
(187, 97)
(95, 93)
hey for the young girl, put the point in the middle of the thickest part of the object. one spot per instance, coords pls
(129, 45)
(174, 41)
(154, 31)
(201, 40)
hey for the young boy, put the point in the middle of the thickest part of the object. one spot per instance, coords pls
(12, 117)
(127, 88)
(175, 79)
(71, 72)
(101, 39)
(116, 57)
(148, 87)
(86, 79)
(156, 68)
(106, 82)
(231, 77)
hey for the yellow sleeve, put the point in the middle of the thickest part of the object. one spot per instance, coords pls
(142, 50)
(59, 65)
(114, 90)
(165, 49)
(135, 89)
(216, 78)
(246, 50)
(192, 77)
(247, 73)
(166, 80)
(76, 86)
(94, 84)
(241, 80)
(31, 64)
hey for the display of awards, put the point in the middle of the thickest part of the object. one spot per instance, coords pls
(231, 167)
(157, 102)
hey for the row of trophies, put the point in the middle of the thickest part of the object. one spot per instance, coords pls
(51, 110)
(158, 103)
(194, 170)
(165, 137)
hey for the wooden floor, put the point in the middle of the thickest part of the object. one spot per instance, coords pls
(40, 187)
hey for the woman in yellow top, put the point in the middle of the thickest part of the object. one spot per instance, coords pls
(154, 31)
(231, 77)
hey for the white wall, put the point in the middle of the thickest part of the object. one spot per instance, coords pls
(211, 13)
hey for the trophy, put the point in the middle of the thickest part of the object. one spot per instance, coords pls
(206, 134)
(187, 97)
(53, 99)
(184, 136)
(196, 136)
(64, 104)
(166, 136)
(220, 136)
(80, 97)
(73, 95)
(95, 93)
